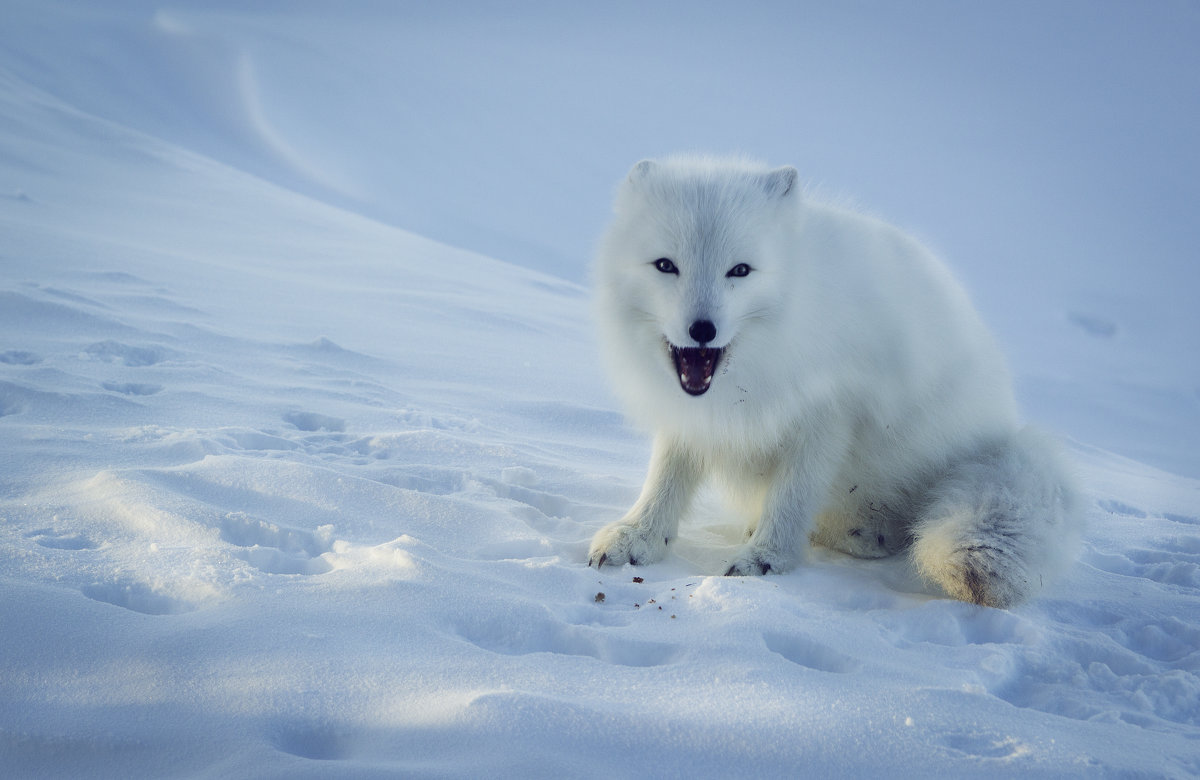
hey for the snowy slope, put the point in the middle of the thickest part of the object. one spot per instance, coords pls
(1047, 149)
(286, 491)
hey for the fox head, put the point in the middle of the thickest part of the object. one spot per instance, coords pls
(690, 263)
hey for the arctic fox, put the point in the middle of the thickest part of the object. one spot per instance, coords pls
(829, 372)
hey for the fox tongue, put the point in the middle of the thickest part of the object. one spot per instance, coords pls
(695, 367)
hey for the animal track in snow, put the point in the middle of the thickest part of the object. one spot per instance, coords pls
(810, 654)
(259, 440)
(320, 742)
(1176, 562)
(1170, 641)
(311, 422)
(985, 745)
(417, 419)
(548, 505)
(1113, 683)
(139, 597)
(546, 514)
(49, 539)
(117, 352)
(541, 633)
(1123, 663)
(278, 550)
(955, 624)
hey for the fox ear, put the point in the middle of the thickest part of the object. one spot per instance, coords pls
(641, 170)
(780, 182)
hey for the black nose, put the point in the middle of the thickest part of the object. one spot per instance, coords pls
(703, 331)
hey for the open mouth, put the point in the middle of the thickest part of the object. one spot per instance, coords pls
(695, 367)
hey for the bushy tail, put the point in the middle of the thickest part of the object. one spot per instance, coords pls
(1001, 522)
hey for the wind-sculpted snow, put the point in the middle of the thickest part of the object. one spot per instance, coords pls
(288, 493)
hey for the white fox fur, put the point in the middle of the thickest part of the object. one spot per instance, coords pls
(828, 371)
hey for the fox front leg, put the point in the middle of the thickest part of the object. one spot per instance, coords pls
(802, 478)
(643, 534)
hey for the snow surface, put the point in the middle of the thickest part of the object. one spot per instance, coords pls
(287, 490)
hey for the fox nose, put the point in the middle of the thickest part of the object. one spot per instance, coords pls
(703, 331)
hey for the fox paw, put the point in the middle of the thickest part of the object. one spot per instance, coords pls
(624, 542)
(753, 562)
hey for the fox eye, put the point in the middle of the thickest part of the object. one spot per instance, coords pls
(741, 269)
(665, 266)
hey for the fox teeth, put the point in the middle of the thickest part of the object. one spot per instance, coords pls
(695, 367)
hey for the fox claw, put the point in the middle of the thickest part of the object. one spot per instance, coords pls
(626, 542)
(748, 568)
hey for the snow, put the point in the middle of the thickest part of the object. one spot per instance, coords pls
(297, 480)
